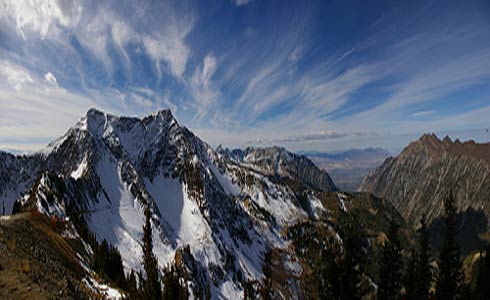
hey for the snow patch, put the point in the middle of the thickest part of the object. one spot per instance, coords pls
(117, 216)
(226, 182)
(79, 171)
(316, 206)
(108, 292)
(342, 198)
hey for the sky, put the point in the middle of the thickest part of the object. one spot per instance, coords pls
(308, 75)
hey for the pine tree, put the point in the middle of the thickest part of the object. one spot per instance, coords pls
(482, 288)
(266, 288)
(133, 287)
(423, 268)
(450, 277)
(410, 276)
(249, 290)
(329, 282)
(151, 287)
(174, 287)
(352, 261)
(390, 272)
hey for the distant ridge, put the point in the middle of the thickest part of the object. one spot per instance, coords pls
(426, 171)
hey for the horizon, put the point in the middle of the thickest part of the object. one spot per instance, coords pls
(310, 76)
(391, 152)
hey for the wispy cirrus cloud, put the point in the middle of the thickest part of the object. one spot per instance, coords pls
(301, 74)
(202, 87)
(309, 137)
(14, 75)
(241, 2)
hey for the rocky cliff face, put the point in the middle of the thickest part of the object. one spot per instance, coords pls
(426, 171)
(278, 162)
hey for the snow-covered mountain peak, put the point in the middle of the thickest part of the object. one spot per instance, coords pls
(163, 114)
(93, 121)
(227, 209)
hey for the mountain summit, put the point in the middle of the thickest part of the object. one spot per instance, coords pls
(423, 175)
(228, 208)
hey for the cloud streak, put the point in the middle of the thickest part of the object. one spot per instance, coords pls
(296, 74)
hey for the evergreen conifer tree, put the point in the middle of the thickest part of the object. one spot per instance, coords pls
(133, 287)
(482, 288)
(266, 288)
(249, 290)
(174, 287)
(151, 287)
(390, 271)
(410, 275)
(450, 277)
(329, 275)
(352, 261)
(423, 278)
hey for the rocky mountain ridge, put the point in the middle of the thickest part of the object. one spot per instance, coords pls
(423, 175)
(227, 212)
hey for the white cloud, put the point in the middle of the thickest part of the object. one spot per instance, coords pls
(296, 54)
(169, 48)
(209, 67)
(100, 25)
(201, 85)
(15, 76)
(51, 79)
(41, 16)
(241, 2)
(309, 137)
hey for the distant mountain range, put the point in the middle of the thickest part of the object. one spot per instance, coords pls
(419, 179)
(349, 167)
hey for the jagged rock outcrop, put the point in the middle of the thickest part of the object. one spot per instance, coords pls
(426, 171)
(278, 162)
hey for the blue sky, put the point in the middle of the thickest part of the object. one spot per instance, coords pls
(308, 75)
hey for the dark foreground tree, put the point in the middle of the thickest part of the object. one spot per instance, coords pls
(329, 283)
(410, 275)
(352, 262)
(423, 278)
(266, 291)
(250, 289)
(482, 286)
(390, 271)
(151, 287)
(174, 286)
(450, 277)
(133, 292)
(107, 262)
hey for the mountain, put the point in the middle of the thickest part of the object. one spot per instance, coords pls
(278, 162)
(349, 167)
(218, 215)
(423, 175)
